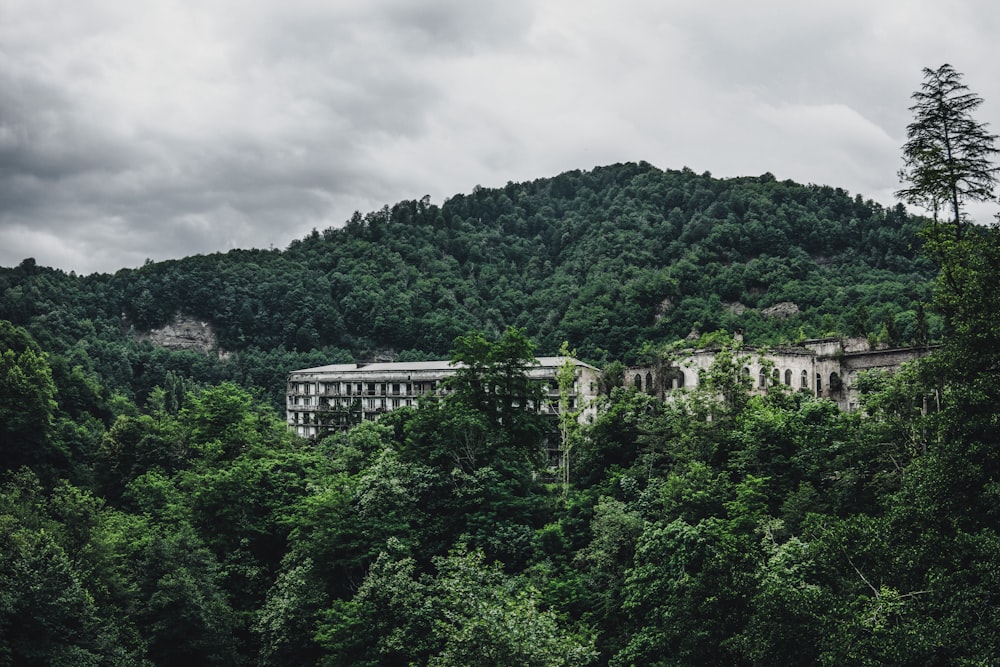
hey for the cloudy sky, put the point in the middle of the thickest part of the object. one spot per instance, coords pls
(163, 128)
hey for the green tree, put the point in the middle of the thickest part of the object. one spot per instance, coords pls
(468, 612)
(27, 401)
(60, 584)
(492, 377)
(727, 377)
(603, 564)
(286, 622)
(612, 441)
(46, 614)
(687, 595)
(181, 606)
(612, 376)
(948, 155)
(490, 619)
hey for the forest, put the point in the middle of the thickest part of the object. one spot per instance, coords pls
(611, 260)
(155, 509)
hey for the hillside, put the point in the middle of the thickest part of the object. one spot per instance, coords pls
(153, 514)
(606, 259)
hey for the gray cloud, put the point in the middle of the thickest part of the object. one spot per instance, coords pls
(151, 130)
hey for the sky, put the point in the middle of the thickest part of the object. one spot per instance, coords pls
(158, 129)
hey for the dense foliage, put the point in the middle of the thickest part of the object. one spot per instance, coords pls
(714, 529)
(154, 512)
(605, 260)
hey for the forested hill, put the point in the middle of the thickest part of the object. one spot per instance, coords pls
(605, 259)
(611, 257)
(153, 514)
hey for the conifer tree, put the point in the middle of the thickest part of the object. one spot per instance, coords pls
(948, 155)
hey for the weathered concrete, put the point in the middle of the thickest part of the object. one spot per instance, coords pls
(825, 367)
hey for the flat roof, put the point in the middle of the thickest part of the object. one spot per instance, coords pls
(438, 365)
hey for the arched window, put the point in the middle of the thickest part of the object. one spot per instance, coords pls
(649, 383)
(819, 384)
(805, 380)
(835, 383)
(638, 382)
(776, 375)
(788, 377)
(762, 379)
(673, 378)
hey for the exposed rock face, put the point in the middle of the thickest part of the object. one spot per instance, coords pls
(183, 333)
(663, 308)
(780, 310)
(735, 307)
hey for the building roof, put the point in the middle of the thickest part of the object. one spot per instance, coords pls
(382, 366)
(441, 366)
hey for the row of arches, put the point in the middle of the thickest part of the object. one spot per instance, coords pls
(763, 381)
(673, 378)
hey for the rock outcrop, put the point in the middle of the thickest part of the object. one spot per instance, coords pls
(183, 333)
(780, 310)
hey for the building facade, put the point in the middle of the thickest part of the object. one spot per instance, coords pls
(825, 367)
(335, 397)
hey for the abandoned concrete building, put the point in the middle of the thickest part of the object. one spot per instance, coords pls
(328, 398)
(334, 397)
(826, 367)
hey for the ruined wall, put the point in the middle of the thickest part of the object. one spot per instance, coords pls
(827, 368)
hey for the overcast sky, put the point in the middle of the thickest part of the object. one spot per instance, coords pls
(163, 128)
